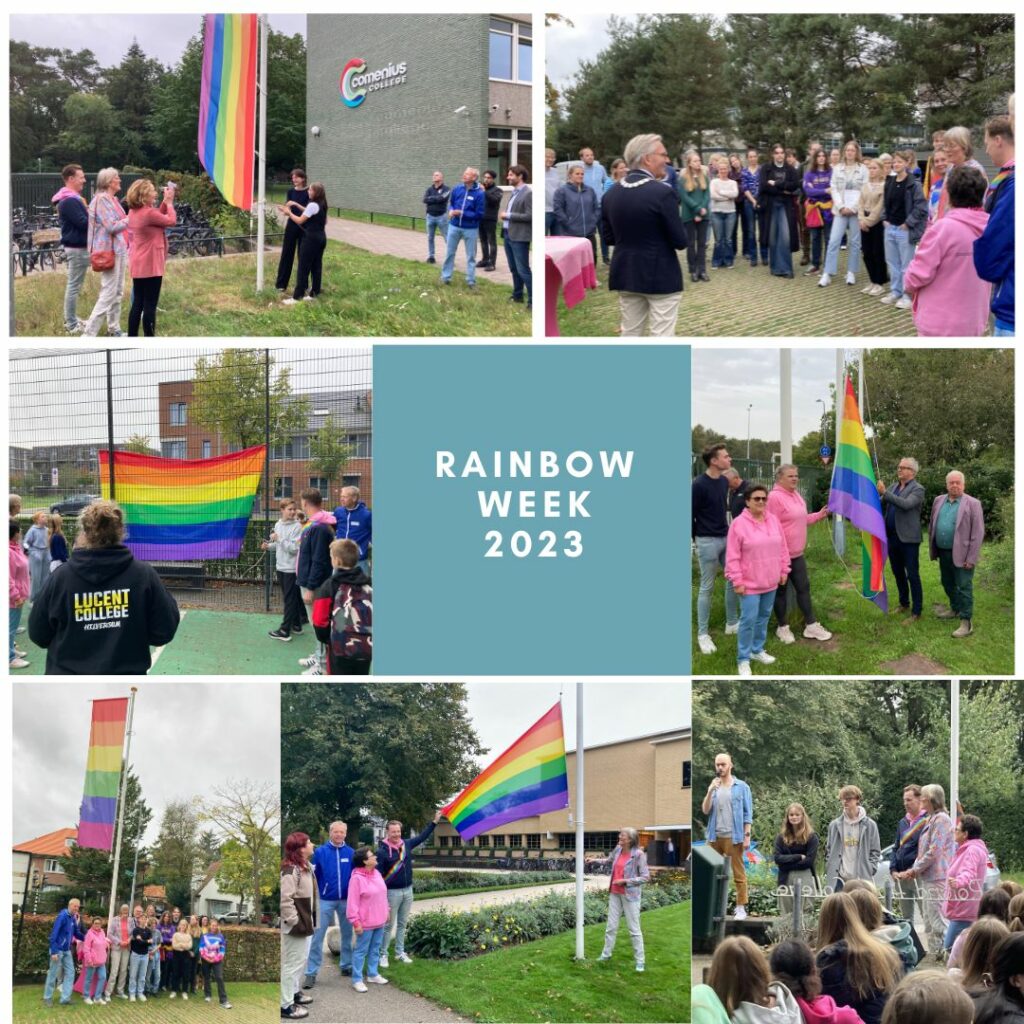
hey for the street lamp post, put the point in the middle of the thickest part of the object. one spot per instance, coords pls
(749, 407)
(824, 432)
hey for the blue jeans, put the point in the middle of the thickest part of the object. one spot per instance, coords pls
(904, 560)
(755, 610)
(90, 975)
(749, 231)
(13, 621)
(953, 929)
(456, 235)
(78, 264)
(850, 227)
(153, 974)
(711, 558)
(66, 961)
(722, 225)
(898, 253)
(435, 224)
(1000, 331)
(138, 965)
(367, 952)
(518, 256)
(816, 236)
(328, 909)
(780, 256)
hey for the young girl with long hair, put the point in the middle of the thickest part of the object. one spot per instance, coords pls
(796, 849)
(739, 975)
(792, 964)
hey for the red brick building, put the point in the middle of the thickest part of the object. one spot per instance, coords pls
(38, 861)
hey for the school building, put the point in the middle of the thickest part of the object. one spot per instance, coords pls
(641, 783)
(391, 98)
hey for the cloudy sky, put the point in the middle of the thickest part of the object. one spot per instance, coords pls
(162, 36)
(566, 46)
(186, 736)
(726, 381)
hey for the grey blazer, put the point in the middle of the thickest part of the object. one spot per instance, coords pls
(520, 220)
(909, 503)
(970, 531)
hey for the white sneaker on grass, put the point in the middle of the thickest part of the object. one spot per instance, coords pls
(876, 289)
(851, 278)
(741, 913)
(763, 657)
(785, 634)
(404, 958)
(816, 631)
(142, 998)
(904, 302)
(383, 962)
(743, 669)
(704, 642)
(732, 628)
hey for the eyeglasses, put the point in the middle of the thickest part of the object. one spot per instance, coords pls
(762, 498)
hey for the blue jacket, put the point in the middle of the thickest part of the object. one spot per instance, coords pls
(993, 253)
(332, 866)
(65, 928)
(903, 856)
(314, 563)
(74, 223)
(355, 524)
(470, 201)
(742, 811)
(577, 211)
(397, 871)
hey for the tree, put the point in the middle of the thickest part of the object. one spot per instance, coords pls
(209, 845)
(229, 396)
(131, 89)
(89, 871)
(141, 444)
(328, 453)
(246, 817)
(335, 740)
(94, 134)
(176, 854)
(171, 124)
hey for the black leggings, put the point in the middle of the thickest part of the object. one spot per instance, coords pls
(802, 586)
(311, 265)
(488, 243)
(145, 296)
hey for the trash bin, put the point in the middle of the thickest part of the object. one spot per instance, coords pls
(710, 876)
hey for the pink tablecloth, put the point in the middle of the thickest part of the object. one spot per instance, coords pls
(569, 265)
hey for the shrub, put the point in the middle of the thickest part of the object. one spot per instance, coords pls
(441, 881)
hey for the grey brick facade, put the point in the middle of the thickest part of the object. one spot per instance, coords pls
(380, 155)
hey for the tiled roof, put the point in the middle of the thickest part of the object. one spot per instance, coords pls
(53, 844)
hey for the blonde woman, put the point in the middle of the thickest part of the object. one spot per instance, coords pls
(148, 254)
(724, 193)
(848, 180)
(796, 850)
(108, 252)
(695, 196)
(872, 230)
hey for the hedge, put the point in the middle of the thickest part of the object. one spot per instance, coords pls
(254, 954)
(442, 881)
(440, 934)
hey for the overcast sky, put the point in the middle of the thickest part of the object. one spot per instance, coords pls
(566, 46)
(726, 381)
(162, 36)
(187, 736)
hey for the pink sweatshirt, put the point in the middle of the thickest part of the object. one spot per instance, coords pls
(966, 877)
(367, 899)
(755, 553)
(790, 509)
(950, 300)
(18, 564)
(824, 1010)
(94, 949)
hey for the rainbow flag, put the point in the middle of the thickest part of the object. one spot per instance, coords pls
(102, 774)
(227, 105)
(854, 495)
(529, 778)
(183, 510)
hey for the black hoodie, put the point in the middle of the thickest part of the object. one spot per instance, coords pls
(100, 612)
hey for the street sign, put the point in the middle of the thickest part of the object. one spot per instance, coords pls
(824, 451)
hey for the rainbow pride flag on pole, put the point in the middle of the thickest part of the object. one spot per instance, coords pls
(529, 778)
(102, 774)
(184, 510)
(854, 495)
(227, 105)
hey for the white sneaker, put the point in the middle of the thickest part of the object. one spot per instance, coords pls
(732, 628)
(19, 663)
(184, 995)
(404, 958)
(876, 289)
(888, 299)
(763, 657)
(868, 290)
(785, 634)
(173, 994)
(704, 642)
(314, 670)
(377, 980)
(131, 999)
(816, 631)
(87, 1001)
(383, 962)
(289, 302)
(741, 913)
(904, 302)
(360, 987)
(309, 298)
(310, 660)
(851, 278)
(743, 669)
(824, 281)
(142, 998)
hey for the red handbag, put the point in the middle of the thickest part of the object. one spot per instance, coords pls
(102, 260)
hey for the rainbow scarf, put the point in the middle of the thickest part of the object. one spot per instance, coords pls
(914, 829)
(993, 186)
(182, 510)
(227, 105)
(854, 495)
(528, 778)
(102, 774)
(397, 866)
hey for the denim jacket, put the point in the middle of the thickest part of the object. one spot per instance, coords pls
(742, 811)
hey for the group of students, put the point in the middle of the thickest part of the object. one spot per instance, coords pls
(147, 956)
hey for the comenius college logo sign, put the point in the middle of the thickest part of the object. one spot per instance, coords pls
(356, 81)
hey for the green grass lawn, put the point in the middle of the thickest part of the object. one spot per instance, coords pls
(866, 642)
(1012, 876)
(364, 294)
(541, 981)
(481, 888)
(251, 1002)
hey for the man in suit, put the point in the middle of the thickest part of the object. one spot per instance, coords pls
(955, 533)
(517, 229)
(643, 223)
(902, 506)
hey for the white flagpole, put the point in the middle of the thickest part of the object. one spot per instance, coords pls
(838, 533)
(120, 809)
(580, 955)
(954, 747)
(261, 200)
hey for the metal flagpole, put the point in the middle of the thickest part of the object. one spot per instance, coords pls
(120, 810)
(580, 955)
(838, 532)
(954, 746)
(261, 200)
(786, 403)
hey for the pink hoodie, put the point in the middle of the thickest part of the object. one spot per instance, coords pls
(790, 509)
(367, 899)
(18, 587)
(950, 300)
(966, 878)
(755, 553)
(823, 1010)
(95, 948)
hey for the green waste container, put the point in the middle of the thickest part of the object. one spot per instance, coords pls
(710, 877)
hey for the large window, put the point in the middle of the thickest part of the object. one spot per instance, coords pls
(511, 51)
(533, 841)
(687, 772)
(173, 449)
(515, 841)
(319, 483)
(508, 146)
(282, 486)
(362, 446)
(179, 414)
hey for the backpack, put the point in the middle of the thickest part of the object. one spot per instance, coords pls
(352, 622)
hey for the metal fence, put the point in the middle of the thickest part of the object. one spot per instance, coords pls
(31, 192)
(68, 406)
(812, 478)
